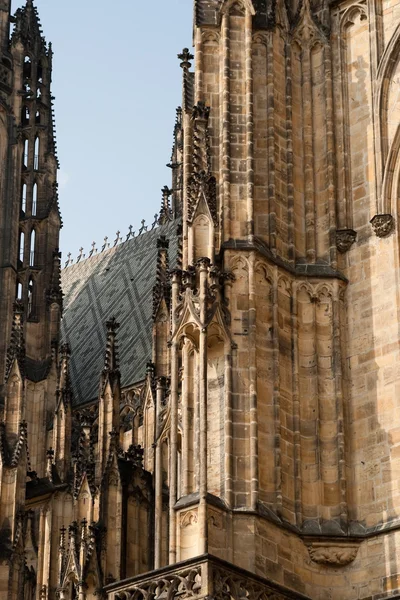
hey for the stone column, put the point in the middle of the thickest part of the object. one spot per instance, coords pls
(158, 479)
(173, 451)
(203, 271)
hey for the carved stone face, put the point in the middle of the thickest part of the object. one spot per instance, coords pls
(344, 239)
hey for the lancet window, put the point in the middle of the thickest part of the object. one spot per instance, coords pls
(32, 249)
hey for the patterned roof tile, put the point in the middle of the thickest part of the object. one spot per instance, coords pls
(115, 283)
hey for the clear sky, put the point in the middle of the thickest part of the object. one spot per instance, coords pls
(117, 82)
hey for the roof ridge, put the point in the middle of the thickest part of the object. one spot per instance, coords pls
(119, 241)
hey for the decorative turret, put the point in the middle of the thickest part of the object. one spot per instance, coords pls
(109, 398)
(16, 349)
(165, 212)
(63, 415)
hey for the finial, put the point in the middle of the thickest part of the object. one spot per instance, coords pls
(129, 235)
(143, 227)
(118, 238)
(155, 222)
(81, 255)
(105, 245)
(185, 57)
(93, 250)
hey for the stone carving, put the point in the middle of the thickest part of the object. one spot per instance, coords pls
(229, 585)
(331, 553)
(189, 518)
(183, 584)
(382, 225)
(345, 238)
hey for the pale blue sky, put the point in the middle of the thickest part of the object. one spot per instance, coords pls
(117, 82)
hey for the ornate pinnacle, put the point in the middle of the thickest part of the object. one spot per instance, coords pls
(111, 356)
(165, 212)
(185, 57)
(16, 349)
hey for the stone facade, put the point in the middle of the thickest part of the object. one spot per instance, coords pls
(257, 455)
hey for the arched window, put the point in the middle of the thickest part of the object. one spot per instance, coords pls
(21, 246)
(27, 67)
(25, 115)
(26, 153)
(27, 88)
(38, 92)
(37, 148)
(34, 200)
(32, 249)
(23, 198)
(31, 289)
(37, 117)
(19, 291)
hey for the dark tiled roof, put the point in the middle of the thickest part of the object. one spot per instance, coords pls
(115, 283)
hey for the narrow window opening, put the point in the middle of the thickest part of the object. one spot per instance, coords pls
(38, 92)
(19, 291)
(25, 116)
(36, 162)
(32, 249)
(40, 72)
(23, 198)
(27, 67)
(26, 153)
(30, 297)
(34, 200)
(21, 246)
(37, 117)
(27, 88)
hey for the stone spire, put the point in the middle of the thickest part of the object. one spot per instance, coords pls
(28, 29)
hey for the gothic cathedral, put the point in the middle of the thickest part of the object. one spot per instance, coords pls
(209, 406)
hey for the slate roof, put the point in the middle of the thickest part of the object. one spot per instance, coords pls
(115, 283)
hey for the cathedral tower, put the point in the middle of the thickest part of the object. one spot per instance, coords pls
(30, 302)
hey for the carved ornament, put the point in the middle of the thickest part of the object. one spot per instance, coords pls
(382, 224)
(345, 238)
(333, 553)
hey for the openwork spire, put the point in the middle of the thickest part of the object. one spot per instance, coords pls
(27, 28)
(16, 349)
